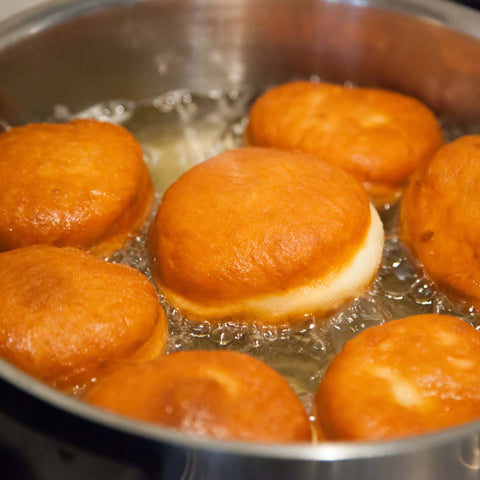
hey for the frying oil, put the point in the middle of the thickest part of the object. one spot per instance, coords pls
(179, 129)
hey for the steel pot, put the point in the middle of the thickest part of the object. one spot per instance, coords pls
(81, 52)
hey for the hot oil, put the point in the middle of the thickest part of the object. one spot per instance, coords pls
(177, 129)
(180, 129)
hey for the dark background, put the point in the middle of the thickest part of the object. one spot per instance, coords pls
(470, 3)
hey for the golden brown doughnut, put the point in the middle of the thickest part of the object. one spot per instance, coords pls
(440, 218)
(82, 184)
(219, 394)
(405, 377)
(263, 235)
(377, 135)
(68, 316)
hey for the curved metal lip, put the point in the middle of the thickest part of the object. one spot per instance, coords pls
(322, 451)
(37, 19)
(53, 12)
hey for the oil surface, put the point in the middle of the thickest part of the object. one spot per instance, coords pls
(179, 129)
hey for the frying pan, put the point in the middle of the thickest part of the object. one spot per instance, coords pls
(82, 52)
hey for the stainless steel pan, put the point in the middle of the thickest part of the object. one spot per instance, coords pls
(83, 52)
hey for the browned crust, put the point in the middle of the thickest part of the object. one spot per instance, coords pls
(68, 316)
(81, 184)
(440, 218)
(378, 135)
(406, 377)
(221, 394)
(253, 222)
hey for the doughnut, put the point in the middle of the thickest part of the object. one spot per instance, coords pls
(377, 135)
(81, 184)
(440, 219)
(406, 377)
(221, 394)
(68, 316)
(263, 235)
